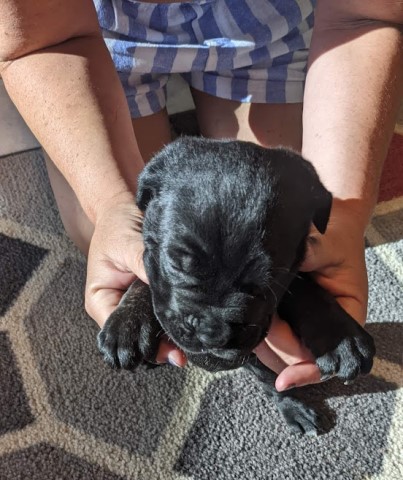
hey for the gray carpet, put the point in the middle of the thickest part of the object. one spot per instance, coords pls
(65, 415)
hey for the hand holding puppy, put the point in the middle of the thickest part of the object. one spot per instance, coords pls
(337, 263)
(115, 259)
(336, 259)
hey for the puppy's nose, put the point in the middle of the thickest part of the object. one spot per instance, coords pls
(212, 340)
(210, 332)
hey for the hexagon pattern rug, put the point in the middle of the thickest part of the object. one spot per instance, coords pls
(65, 415)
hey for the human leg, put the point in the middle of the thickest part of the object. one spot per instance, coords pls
(76, 223)
(268, 125)
(254, 88)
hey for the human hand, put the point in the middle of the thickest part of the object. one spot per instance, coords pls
(115, 259)
(337, 263)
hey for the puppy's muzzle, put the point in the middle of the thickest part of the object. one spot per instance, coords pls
(210, 332)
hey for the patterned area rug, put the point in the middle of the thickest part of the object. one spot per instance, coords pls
(65, 415)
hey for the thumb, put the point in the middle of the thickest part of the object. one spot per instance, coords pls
(319, 254)
(109, 276)
(298, 375)
(104, 290)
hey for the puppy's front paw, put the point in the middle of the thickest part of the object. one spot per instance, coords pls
(352, 356)
(118, 342)
(129, 336)
(339, 344)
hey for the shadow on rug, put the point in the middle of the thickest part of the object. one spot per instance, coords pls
(65, 415)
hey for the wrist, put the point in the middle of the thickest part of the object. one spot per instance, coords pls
(115, 200)
(353, 214)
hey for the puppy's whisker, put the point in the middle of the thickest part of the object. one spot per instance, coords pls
(161, 332)
(170, 339)
(281, 269)
(281, 285)
(245, 359)
(274, 294)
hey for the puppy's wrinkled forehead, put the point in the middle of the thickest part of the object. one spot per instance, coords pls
(230, 193)
(213, 214)
(211, 239)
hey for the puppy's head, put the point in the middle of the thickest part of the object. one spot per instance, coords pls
(224, 230)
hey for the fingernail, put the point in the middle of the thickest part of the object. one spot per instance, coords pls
(172, 362)
(324, 378)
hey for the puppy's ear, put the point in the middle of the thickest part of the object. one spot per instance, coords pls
(150, 181)
(322, 199)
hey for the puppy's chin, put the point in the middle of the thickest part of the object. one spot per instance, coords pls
(218, 359)
(214, 363)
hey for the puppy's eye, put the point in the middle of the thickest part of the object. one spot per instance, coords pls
(182, 260)
(198, 288)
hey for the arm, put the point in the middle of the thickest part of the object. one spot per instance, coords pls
(58, 72)
(60, 76)
(353, 89)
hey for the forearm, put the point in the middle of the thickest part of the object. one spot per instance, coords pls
(352, 94)
(71, 98)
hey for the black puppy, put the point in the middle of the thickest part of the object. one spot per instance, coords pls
(225, 230)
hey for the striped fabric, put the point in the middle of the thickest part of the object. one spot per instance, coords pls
(245, 50)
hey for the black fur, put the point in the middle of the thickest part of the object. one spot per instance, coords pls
(225, 229)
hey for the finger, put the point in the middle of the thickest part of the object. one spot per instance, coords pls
(340, 269)
(266, 355)
(298, 375)
(104, 290)
(136, 263)
(169, 353)
(315, 255)
(107, 281)
(321, 251)
(100, 299)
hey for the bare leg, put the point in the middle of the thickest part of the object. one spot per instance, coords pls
(76, 223)
(152, 133)
(265, 124)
